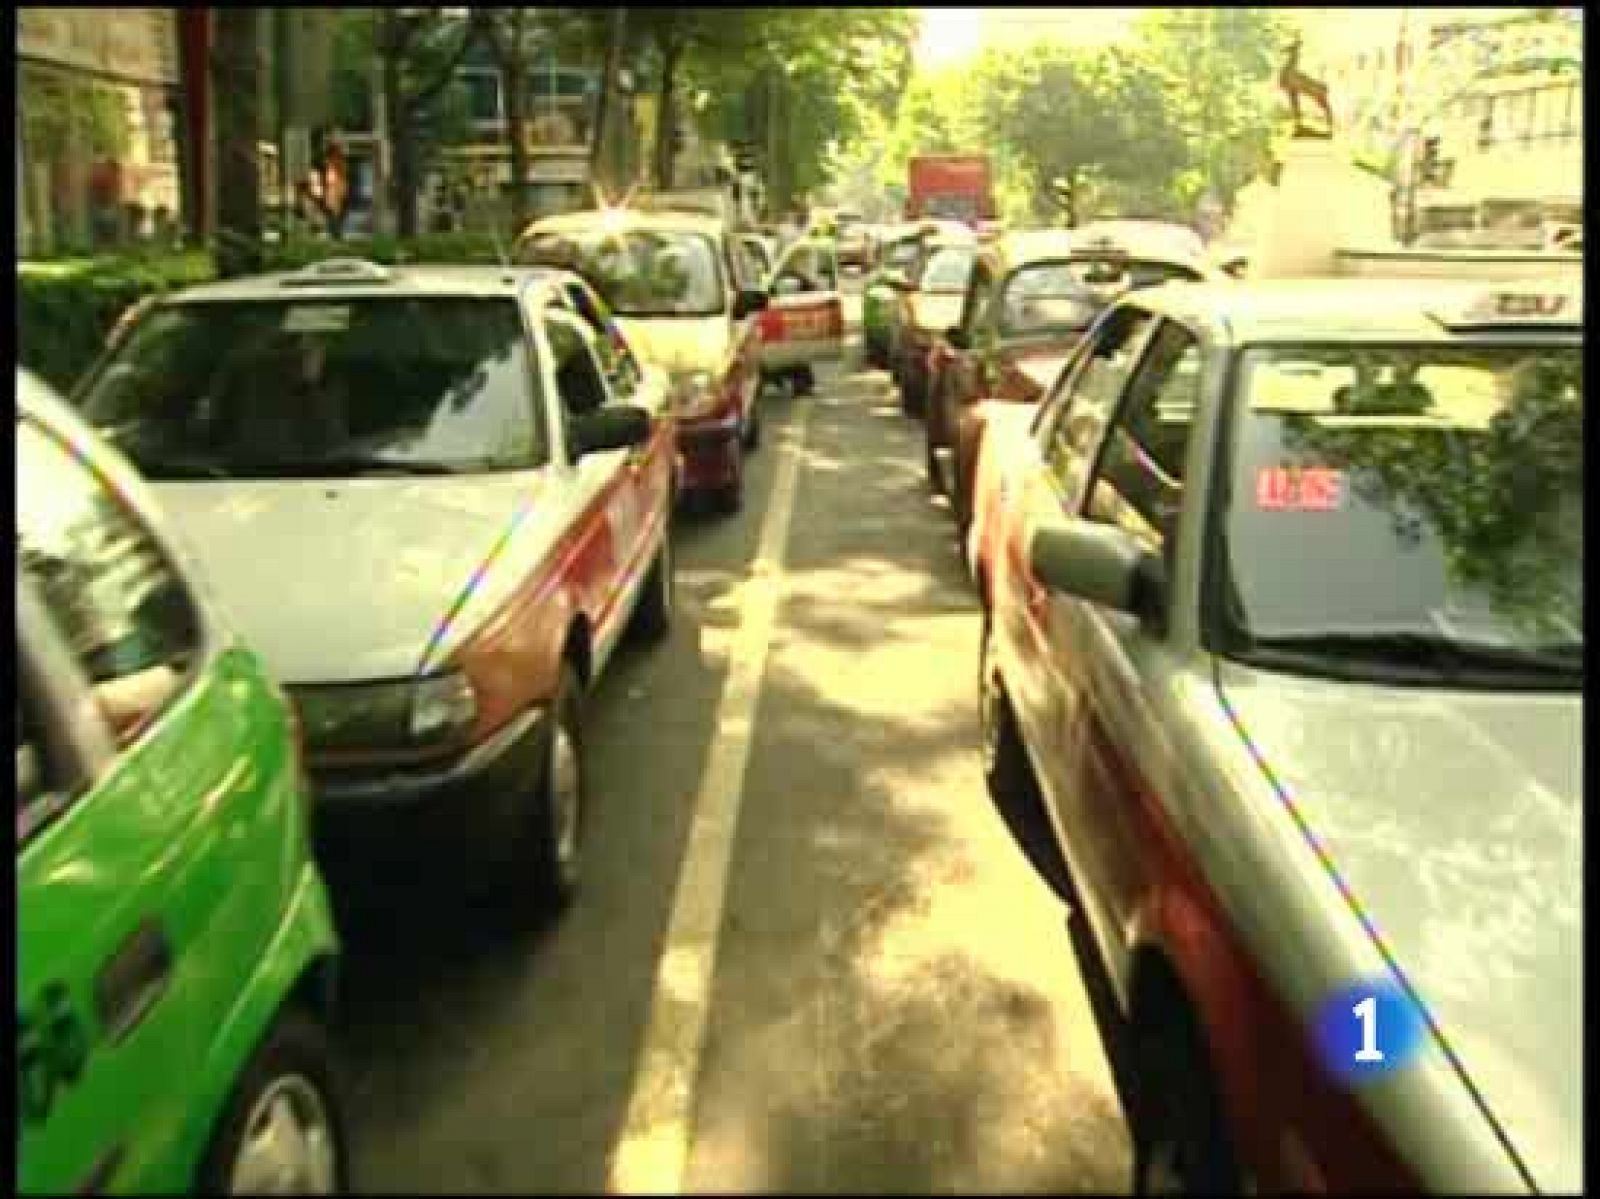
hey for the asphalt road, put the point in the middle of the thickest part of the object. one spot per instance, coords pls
(889, 1000)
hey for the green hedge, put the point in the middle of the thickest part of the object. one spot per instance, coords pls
(66, 308)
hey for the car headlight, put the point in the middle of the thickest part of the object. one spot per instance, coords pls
(442, 707)
(694, 393)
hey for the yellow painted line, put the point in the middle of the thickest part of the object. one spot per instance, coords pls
(652, 1152)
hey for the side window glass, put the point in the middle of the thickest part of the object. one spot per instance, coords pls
(123, 610)
(1139, 482)
(1091, 387)
(579, 380)
(976, 308)
(621, 369)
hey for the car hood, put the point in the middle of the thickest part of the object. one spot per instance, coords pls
(1455, 819)
(336, 581)
(679, 343)
(935, 312)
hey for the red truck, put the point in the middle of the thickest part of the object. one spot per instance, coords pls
(953, 186)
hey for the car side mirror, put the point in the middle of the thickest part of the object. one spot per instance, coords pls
(748, 303)
(614, 427)
(1098, 563)
(958, 338)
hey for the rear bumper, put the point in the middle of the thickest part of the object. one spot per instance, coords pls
(710, 452)
(467, 809)
(785, 355)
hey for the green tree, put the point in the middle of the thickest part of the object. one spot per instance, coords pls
(1216, 69)
(419, 50)
(512, 37)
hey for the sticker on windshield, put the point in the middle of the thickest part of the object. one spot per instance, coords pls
(1300, 489)
(317, 318)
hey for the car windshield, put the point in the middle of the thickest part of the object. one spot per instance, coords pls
(1410, 507)
(947, 270)
(640, 272)
(316, 387)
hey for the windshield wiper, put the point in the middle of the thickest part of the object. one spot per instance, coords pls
(363, 464)
(1431, 652)
(177, 466)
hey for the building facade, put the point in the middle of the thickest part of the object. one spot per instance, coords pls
(1475, 113)
(99, 108)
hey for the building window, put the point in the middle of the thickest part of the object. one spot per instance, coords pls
(483, 97)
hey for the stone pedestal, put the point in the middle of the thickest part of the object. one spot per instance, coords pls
(1322, 203)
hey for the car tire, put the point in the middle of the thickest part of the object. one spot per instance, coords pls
(556, 830)
(960, 495)
(729, 498)
(752, 429)
(290, 1077)
(1008, 776)
(653, 615)
(1180, 1145)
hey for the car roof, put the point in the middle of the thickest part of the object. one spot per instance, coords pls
(627, 218)
(1298, 310)
(324, 281)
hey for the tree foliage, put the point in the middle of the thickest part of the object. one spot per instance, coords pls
(1141, 127)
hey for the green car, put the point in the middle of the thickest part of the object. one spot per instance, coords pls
(899, 250)
(175, 948)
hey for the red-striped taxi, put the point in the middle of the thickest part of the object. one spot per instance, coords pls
(685, 292)
(434, 498)
(1284, 651)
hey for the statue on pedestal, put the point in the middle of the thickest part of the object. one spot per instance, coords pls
(1295, 84)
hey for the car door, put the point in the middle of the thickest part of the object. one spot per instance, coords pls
(651, 468)
(1109, 664)
(606, 508)
(147, 892)
(1041, 672)
(804, 320)
(970, 352)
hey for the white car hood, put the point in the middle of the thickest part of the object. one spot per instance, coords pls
(340, 580)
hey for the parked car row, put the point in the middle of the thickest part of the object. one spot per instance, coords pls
(1280, 690)
(316, 571)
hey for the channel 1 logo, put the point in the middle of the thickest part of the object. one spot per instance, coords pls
(1369, 1029)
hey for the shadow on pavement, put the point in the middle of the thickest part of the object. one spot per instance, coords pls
(896, 1007)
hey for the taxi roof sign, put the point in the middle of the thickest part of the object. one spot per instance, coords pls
(1509, 306)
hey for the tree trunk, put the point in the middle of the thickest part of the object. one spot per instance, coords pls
(235, 69)
(514, 83)
(665, 121)
(403, 179)
(602, 161)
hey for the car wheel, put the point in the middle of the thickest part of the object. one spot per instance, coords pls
(729, 498)
(1008, 775)
(558, 809)
(960, 495)
(912, 402)
(653, 616)
(752, 429)
(282, 1132)
(1180, 1146)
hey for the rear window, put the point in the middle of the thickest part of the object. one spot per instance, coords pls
(1047, 297)
(947, 270)
(1405, 496)
(322, 387)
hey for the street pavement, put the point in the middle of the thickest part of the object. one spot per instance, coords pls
(885, 997)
